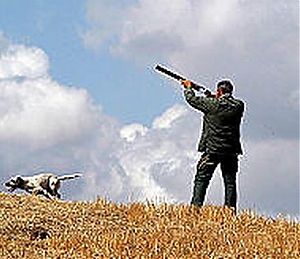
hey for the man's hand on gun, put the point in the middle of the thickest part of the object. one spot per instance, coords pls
(208, 93)
(188, 84)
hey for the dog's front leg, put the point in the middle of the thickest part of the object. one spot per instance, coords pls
(48, 195)
(41, 191)
(35, 191)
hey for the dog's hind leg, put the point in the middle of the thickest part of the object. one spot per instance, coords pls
(56, 194)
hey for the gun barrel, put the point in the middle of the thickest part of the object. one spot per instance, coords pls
(177, 77)
(169, 73)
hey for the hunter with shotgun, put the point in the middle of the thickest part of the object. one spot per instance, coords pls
(220, 138)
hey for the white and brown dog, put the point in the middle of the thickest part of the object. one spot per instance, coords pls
(46, 184)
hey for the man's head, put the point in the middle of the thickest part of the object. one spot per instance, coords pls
(224, 87)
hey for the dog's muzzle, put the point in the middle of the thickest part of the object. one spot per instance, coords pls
(10, 187)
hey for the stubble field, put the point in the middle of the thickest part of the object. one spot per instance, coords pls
(33, 227)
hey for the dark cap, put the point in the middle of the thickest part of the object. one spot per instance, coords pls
(226, 86)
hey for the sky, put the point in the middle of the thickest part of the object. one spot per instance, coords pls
(78, 92)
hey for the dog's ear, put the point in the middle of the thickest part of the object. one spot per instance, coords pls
(19, 181)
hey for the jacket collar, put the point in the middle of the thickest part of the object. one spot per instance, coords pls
(226, 95)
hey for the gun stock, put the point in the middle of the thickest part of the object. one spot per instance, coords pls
(178, 77)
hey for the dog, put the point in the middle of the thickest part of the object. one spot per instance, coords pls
(45, 184)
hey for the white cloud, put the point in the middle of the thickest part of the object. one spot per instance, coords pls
(36, 111)
(166, 120)
(132, 131)
(21, 61)
(105, 19)
(145, 31)
(41, 113)
(4, 42)
(270, 179)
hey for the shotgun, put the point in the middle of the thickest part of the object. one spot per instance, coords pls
(178, 77)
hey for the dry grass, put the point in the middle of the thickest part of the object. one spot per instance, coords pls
(32, 227)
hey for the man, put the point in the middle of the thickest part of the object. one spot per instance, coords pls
(220, 139)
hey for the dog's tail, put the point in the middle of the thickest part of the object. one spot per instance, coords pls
(69, 176)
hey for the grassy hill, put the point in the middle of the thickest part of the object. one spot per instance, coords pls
(32, 227)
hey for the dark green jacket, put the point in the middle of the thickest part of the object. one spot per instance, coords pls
(221, 123)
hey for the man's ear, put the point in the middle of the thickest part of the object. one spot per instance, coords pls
(219, 93)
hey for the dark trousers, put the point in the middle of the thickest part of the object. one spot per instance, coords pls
(205, 169)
